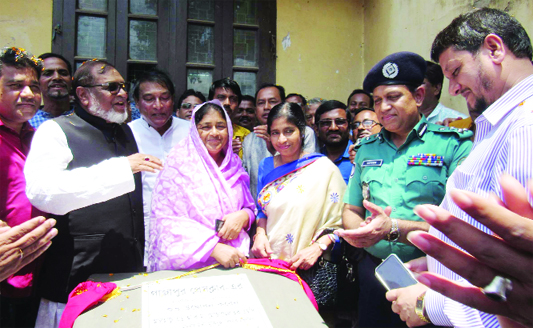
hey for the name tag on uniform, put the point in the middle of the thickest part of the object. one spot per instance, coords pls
(372, 162)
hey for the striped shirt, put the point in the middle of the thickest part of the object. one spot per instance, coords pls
(502, 144)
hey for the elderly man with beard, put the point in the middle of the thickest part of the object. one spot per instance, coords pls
(56, 87)
(84, 169)
(333, 123)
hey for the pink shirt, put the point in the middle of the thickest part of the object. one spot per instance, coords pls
(15, 208)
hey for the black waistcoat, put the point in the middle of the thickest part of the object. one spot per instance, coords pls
(106, 237)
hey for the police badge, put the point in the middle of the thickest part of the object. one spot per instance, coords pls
(366, 191)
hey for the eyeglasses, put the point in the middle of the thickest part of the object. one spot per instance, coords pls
(329, 123)
(186, 106)
(113, 87)
(367, 124)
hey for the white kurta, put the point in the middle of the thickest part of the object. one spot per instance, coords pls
(150, 142)
(53, 189)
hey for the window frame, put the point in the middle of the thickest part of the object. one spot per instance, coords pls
(172, 51)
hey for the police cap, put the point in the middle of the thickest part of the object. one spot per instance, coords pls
(399, 68)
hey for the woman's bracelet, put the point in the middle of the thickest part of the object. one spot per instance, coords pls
(334, 238)
(253, 238)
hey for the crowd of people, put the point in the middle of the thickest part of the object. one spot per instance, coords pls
(323, 185)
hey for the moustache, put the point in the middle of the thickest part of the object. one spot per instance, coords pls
(57, 83)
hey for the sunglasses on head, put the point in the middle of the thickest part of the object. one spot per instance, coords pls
(113, 87)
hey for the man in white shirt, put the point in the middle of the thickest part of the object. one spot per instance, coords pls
(433, 110)
(82, 169)
(157, 131)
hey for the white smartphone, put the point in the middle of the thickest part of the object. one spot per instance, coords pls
(393, 274)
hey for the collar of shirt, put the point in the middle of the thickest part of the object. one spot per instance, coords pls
(148, 126)
(49, 116)
(435, 111)
(26, 128)
(345, 155)
(503, 105)
(25, 136)
(43, 114)
(418, 131)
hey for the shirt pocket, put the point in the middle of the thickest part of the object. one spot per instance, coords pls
(374, 177)
(424, 185)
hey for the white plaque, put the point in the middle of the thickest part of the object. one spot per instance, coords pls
(223, 301)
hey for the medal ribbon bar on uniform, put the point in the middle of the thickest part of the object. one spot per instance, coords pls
(426, 160)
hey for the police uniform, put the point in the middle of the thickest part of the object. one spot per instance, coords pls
(401, 177)
(413, 174)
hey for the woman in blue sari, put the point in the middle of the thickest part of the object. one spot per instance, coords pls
(299, 195)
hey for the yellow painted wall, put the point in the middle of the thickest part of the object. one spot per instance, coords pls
(333, 42)
(325, 57)
(401, 25)
(26, 24)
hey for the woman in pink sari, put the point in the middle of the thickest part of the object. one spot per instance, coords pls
(202, 182)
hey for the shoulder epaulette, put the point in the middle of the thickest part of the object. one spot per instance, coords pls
(461, 133)
(367, 140)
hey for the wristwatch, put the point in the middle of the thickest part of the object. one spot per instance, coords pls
(323, 247)
(394, 233)
(420, 310)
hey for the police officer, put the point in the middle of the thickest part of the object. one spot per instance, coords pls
(404, 165)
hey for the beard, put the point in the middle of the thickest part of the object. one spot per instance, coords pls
(58, 94)
(479, 107)
(336, 143)
(108, 115)
(481, 103)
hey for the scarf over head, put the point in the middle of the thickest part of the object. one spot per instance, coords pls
(190, 194)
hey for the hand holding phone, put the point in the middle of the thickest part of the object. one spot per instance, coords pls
(218, 225)
(393, 274)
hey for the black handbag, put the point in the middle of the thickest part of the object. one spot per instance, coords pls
(322, 279)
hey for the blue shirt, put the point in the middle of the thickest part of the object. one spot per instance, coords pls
(41, 116)
(343, 162)
(135, 113)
